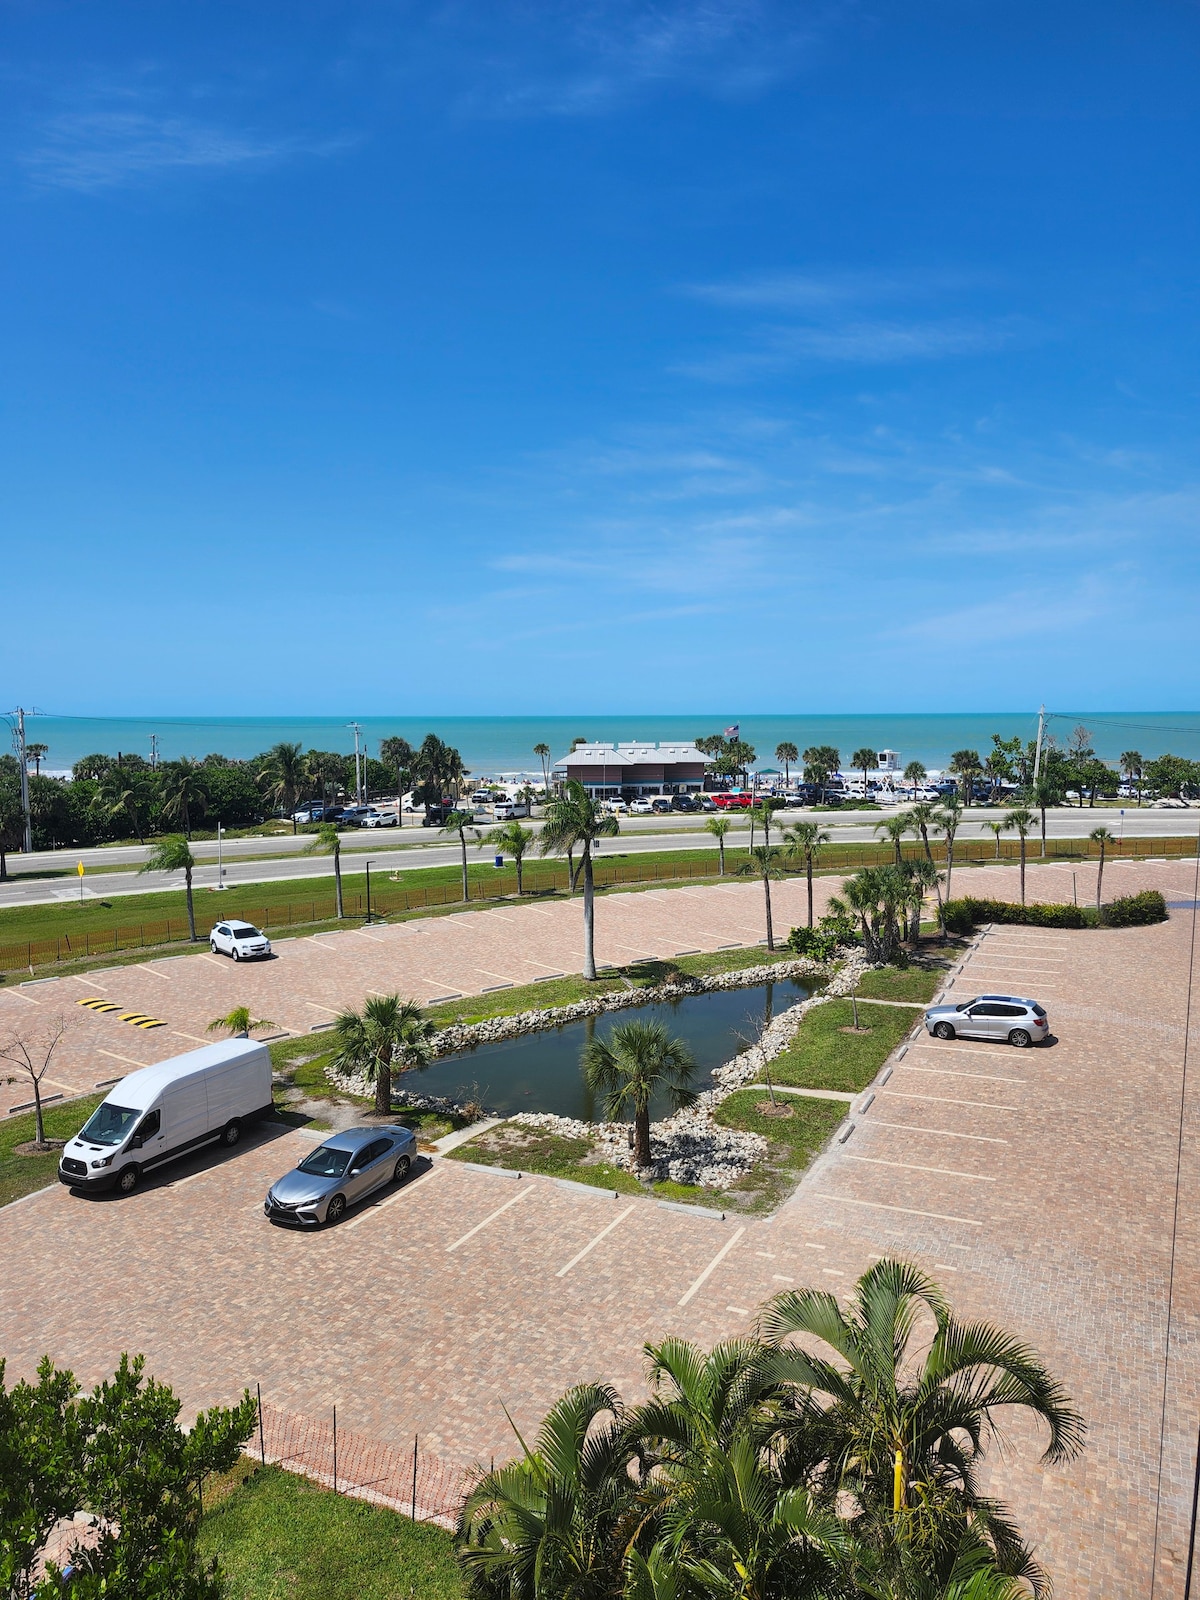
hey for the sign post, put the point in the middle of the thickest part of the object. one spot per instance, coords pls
(79, 870)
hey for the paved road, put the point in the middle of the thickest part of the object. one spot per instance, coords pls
(31, 881)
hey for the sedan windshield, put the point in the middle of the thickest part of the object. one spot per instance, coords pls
(109, 1124)
(325, 1162)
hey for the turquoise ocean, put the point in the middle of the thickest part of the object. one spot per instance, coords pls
(492, 745)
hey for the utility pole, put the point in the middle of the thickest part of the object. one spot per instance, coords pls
(27, 844)
(1037, 755)
(357, 776)
(153, 752)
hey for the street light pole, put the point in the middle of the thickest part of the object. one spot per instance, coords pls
(368, 891)
(220, 858)
(27, 844)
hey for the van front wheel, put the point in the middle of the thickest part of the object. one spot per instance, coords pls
(130, 1178)
(231, 1133)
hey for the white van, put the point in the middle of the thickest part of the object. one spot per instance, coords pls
(156, 1114)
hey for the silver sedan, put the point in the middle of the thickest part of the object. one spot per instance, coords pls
(1003, 1017)
(349, 1166)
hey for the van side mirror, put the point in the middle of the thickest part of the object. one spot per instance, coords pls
(136, 1142)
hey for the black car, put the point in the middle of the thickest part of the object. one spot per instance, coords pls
(682, 802)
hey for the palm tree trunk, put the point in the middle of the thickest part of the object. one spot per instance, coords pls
(463, 840)
(925, 842)
(570, 869)
(808, 874)
(337, 878)
(721, 848)
(383, 1090)
(949, 865)
(1099, 880)
(770, 928)
(520, 889)
(1043, 810)
(641, 1136)
(1022, 869)
(589, 920)
(187, 879)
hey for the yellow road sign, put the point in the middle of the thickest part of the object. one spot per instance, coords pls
(79, 869)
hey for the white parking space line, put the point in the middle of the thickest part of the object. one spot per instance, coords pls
(911, 1166)
(591, 1245)
(400, 1193)
(909, 1211)
(949, 1072)
(947, 1100)
(499, 1212)
(965, 1049)
(712, 1266)
(940, 1133)
(128, 1060)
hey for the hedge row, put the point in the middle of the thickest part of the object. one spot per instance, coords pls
(1132, 911)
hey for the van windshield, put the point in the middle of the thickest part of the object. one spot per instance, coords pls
(325, 1162)
(109, 1124)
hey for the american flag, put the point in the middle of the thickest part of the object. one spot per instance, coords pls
(732, 733)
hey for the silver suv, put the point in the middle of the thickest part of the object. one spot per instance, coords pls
(1005, 1017)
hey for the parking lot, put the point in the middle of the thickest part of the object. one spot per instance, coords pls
(1038, 1187)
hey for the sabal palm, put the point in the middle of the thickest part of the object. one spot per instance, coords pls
(997, 829)
(462, 824)
(921, 876)
(185, 795)
(766, 862)
(542, 752)
(388, 1035)
(174, 854)
(875, 895)
(948, 819)
(285, 775)
(328, 842)
(642, 1060)
(805, 842)
(124, 795)
(921, 818)
(1131, 766)
(510, 839)
(896, 828)
(1023, 820)
(552, 1522)
(719, 827)
(574, 818)
(239, 1022)
(786, 754)
(1103, 837)
(937, 1406)
(1044, 793)
(864, 761)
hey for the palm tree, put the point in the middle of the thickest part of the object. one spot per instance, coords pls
(821, 761)
(899, 1425)
(328, 842)
(966, 766)
(1103, 837)
(642, 1061)
(915, 774)
(285, 775)
(896, 827)
(863, 760)
(806, 841)
(387, 1036)
(574, 818)
(551, 1523)
(948, 820)
(239, 1023)
(398, 753)
(542, 752)
(184, 792)
(1045, 792)
(1131, 766)
(1023, 820)
(997, 829)
(124, 795)
(875, 895)
(786, 753)
(921, 817)
(719, 827)
(36, 753)
(462, 823)
(921, 876)
(766, 862)
(510, 839)
(174, 854)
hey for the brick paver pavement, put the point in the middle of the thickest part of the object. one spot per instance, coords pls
(1037, 1187)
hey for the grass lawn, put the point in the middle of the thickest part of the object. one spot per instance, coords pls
(793, 1142)
(278, 1537)
(23, 1174)
(901, 983)
(549, 1154)
(823, 1057)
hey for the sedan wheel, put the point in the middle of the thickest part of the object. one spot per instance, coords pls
(1020, 1038)
(401, 1169)
(335, 1210)
(944, 1030)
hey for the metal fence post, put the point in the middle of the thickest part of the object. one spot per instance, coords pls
(414, 1493)
(335, 1449)
(262, 1444)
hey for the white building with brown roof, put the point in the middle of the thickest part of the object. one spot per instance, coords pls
(629, 770)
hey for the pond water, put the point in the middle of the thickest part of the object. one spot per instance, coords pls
(540, 1072)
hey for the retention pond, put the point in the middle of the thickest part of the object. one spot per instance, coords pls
(541, 1072)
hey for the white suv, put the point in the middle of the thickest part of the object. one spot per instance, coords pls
(241, 940)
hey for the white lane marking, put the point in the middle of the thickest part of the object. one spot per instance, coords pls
(738, 1311)
(516, 1200)
(941, 1133)
(782, 1277)
(128, 1060)
(944, 1266)
(909, 1211)
(711, 1267)
(949, 1072)
(316, 1005)
(911, 1166)
(166, 978)
(809, 1246)
(591, 1245)
(946, 1100)
(768, 1254)
(391, 1199)
(965, 1049)
(87, 983)
(832, 1272)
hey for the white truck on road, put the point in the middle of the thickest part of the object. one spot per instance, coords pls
(164, 1111)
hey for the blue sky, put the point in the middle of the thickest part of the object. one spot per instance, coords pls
(487, 358)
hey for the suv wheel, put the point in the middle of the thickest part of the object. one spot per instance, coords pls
(237, 954)
(212, 945)
(944, 1031)
(1020, 1039)
(130, 1178)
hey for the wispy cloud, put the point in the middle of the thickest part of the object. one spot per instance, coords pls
(105, 147)
(857, 341)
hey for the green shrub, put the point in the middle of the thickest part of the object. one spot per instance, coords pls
(962, 916)
(1136, 910)
(812, 942)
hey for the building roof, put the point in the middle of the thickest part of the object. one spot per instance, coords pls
(633, 754)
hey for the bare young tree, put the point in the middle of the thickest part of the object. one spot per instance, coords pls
(31, 1050)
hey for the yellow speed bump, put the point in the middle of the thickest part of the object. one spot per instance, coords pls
(96, 1004)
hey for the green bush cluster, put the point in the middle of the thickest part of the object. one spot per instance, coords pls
(1136, 910)
(1131, 911)
(812, 942)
